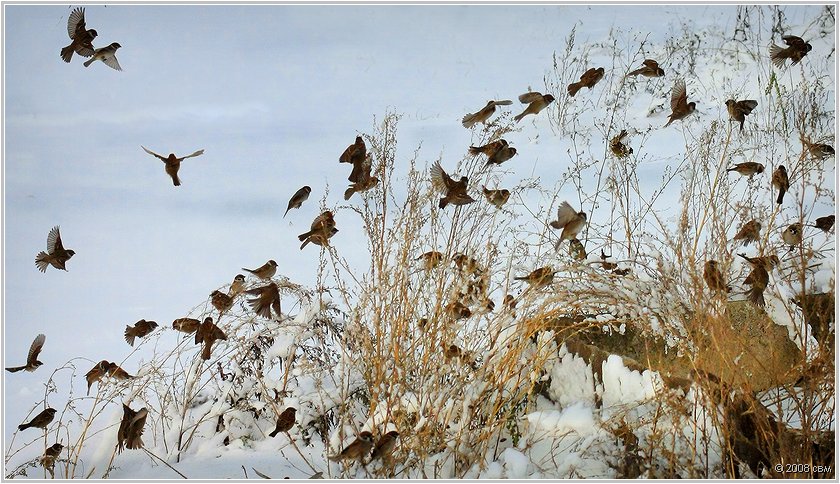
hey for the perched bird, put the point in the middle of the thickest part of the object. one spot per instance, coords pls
(322, 227)
(32, 362)
(285, 421)
(361, 178)
(221, 301)
(56, 255)
(818, 151)
(509, 302)
(172, 163)
(131, 428)
(680, 107)
(650, 68)
(268, 298)
(140, 329)
(738, 110)
(467, 264)
(186, 325)
(541, 277)
(108, 55)
(298, 198)
(237, 286)
(385, 445)
(605, 264)
(781, 182)
(490, 148)
(50, 455)
(713, 277)
(265, 271)
(749, 232)
(576, 250)
(570, 221)
(455, 191)
(355, 153)
(451, 351)
(40, 421)
(321, 239)
(824, 223)
(588, 79)
(431, 259)
(207, 334)
(457, 310)
(96, 373)
(496, 197)
(484, 114)
(618, 148)
(357, 450)
(747, 168)
(81, 37)
(792, 235)
(795, 51)
(114, 371)
(759, 277)
(536, 102)
(767, 261)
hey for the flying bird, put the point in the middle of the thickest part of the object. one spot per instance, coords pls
(56, 255)
(285, 421)
(541, 277)
(497, 152)
(747, 168)
(140, 329)
(496, 197)
(796, 49)
(570, 221)
(738, 110)
(455, 191)
(792, 235)
(759, 277)
(298, 198)
(173, 163)
(131, 428)
(713, 277)
(357, 450)
(750, 232)
(385, 445)
(207, 334)
(39, 421)
(361, 178)
(588, 79)
(355, 153)
(268, 298)
(781, 182)
(536, 102)
(108, 55)
(265, 271)
(484, 114)
(680, 107)
(81, 37)
(650, 68)
(824, 223)
(32, 362)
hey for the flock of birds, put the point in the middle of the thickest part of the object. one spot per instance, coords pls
(455, 191)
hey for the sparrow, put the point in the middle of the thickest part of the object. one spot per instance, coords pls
(618, 148)
(792, 235)
(768, 261)
(40, 421)
(431, 259)
(357, 450)
(795, 51)
(501, 155)
(759, 277)
(285, 421)
(186, 325)
(457, 310)
(536, 102)
(32, 362)
(570, 221)
(713, 277)
(650, 68)
(207, 334)
(321, 238)
(114, 371)
(50, 456)
(823, 223)
(607, 266)
(268, 298)
(455, 191)
(509, 302)
(385, 445)
(221, 301)
(81, 38)
(489, 149)
(322, 226)
(237, 286)
(738, 110)
(680, 107)
(576, 250)
(541, 277)
(588, 79)
(141, 328)
(361, 178)
(484, 114)
(298, 198)
(108, 55)
(496, 197)
(467, 264)
(172, 163)
(56, 255)
(131, 428)
(818, 151)
(451, 351)
(355, 153)
(96, 373)
(265, 271)
(747, 168)
(749, 232)
(780, 181)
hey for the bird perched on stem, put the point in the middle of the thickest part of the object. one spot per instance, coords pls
(680, 107)
(650, 68)
(82, 39)
(265, 271)
(792, 235)
(140, 329)
(32, 362)
(357, 450)
(56, 255)
(237, 286)
(361, 178)
(455, 191)
(207, 334)
(714, 278)
(750, 232)
(759, 277)
(40, 421)
(541, 277)
(738, 110)
(747, 168)
(796, 49)
(355, 153)
(129, 435)
(431, 259)
(186, 325)
(298, 198)
(50, 455)
(588, 79)
(536, 102)
(484, 114)
(576, 250)
(221, 301)
(497, 152)
(824, 223)
(268, 298)
(781, 182)
(819, 151)
(172, 163)
(497, 197)
(570, 221)
(322, 228)
(285, 421)
(618, 148)
(108, 55)
(384, 446)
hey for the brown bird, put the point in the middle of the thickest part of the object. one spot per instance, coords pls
(489, 149)
(541, 277)
(268, 298)
(588, 79)
(768, 261)
(50, 456)
(457, 310)
(759, 277)
(207, 334)
(570, 221)
(96, 373)
(455, 191)
(680, 107)
(298, 198)
(484, 114)
(747, 168)
(385, 445)
(186, 325)
(781, 182)
(509, 302)
(451, 351)
(795, 51)
(618, 148)
(81, 37)
(361, 178)
(818, 151)
(40, 421)
(467, 264)
(576, 250)
(172, 163)
(322, 226)
(749, 232)
(237, 286)
(221, 301)
(56, 255)
(321, 239)
(129, 435)
(285, 421)
(32, 362)
(431, 259)
(357, 450)
(140, 329)
(114, 371)
(650, 68)
(713, 277)
(738, 110)
(536, 103)
(792, 235)
(496, 197)
(108, 56)
(502, 155)
(355, 153)
(824, 223)
(265, 271)
(606, 265)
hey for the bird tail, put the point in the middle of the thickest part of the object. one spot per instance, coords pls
(349, 192)
(634, 73)
(24, 426)
(523, 278)
(88, 62)
(305, 241)
(574, 88)
(15, 369)
(205, 352)
(67, 53)
(129, 335)
(274, 433)
(302, 237)
(670, 120)
(777, 55)
(286, 212)
(41, 260)
(475, 150)
(443, 203)
(756, 296)
(781, 196)
(468, 121)
(176, 181)
(519, 117)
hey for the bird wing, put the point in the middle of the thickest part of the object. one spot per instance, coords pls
(36, 347)
(85, 51)
(504, 102)
(110, 60)
(197, 153)
(440, 179)
(679, 98)
(54, 240)
(747, 105)
(794, 41)
(530, 97)
(651, 63)
(565, 214)
(152, 153)
(76, 22)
